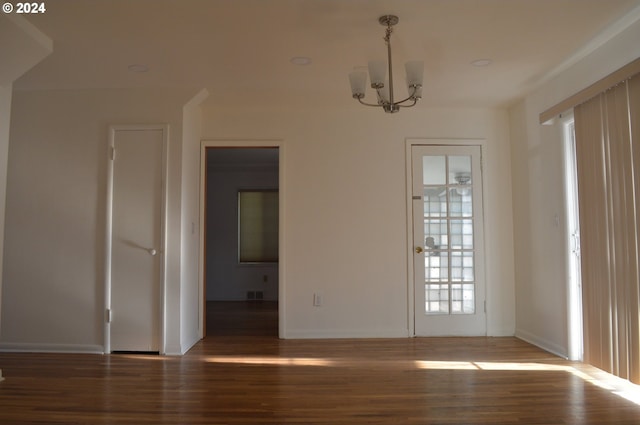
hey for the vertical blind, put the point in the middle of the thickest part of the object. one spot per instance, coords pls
(608, 164)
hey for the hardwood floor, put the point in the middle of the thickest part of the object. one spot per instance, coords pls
(239, 378)
(247, 318)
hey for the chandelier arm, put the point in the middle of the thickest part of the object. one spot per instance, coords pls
(381, 99)
(367, 104)
(415, 101)
(408, 98)
(411, 97)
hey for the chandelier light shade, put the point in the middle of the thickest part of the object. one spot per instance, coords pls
(383, 84)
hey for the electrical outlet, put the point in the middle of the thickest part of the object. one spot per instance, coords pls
(317, 300)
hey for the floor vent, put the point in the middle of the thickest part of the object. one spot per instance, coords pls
(255, 295)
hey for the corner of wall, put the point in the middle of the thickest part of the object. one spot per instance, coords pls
(191, 289)
(5, 121)
(542, 343)
(27, 47)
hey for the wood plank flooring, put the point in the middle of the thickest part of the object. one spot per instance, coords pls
(239, 378)
(246, 318)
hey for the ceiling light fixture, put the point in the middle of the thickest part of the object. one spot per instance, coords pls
(481, 62)
(136, 67)
(377, 73)
(300, 60)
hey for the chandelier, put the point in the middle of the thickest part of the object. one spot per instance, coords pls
(377, 74)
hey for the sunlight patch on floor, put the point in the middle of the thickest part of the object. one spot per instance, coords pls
(277, 361)
(590, 374)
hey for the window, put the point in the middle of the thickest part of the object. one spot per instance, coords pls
(258, 226)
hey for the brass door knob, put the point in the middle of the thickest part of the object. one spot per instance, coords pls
(419, 250)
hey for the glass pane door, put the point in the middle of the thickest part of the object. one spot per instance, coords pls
(447, 214)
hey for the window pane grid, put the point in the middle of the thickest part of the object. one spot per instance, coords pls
(449, 237)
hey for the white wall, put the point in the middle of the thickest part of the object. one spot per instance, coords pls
(537, 162)
(226, 279)
(344, 192)
(345, 230)
(55, 214)
(22, 46)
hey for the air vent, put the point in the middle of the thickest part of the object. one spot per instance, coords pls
(255, 295)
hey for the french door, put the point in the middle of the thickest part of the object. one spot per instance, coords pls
(448, 260)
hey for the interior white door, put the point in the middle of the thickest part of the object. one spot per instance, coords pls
(449, 287)
(137, 221)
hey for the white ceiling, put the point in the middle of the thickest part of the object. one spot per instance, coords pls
(240, 50)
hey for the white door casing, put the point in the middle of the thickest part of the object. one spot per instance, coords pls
(447, 251)
(136, 219)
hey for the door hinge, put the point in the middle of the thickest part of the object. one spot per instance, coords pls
(485, 306)
(113, 153)
(109, 316)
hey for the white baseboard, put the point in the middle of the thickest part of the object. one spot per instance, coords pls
(543, 343)
(21, 347)
(343, 334)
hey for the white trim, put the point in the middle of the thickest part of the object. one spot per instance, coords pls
(247, 143)
(411, 323)
(571, 222)
(109, 230)
(108, 245)
(163, 236)
(347, 334)
(409, 144)
(18, 347)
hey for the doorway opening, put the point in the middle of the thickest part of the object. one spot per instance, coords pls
(241, 276)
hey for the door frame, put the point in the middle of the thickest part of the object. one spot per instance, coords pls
(575, 343)
(409, 144)
(230, 143)
(109, 230)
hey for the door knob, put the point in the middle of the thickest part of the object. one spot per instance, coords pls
(152, 252)
(419, 250)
